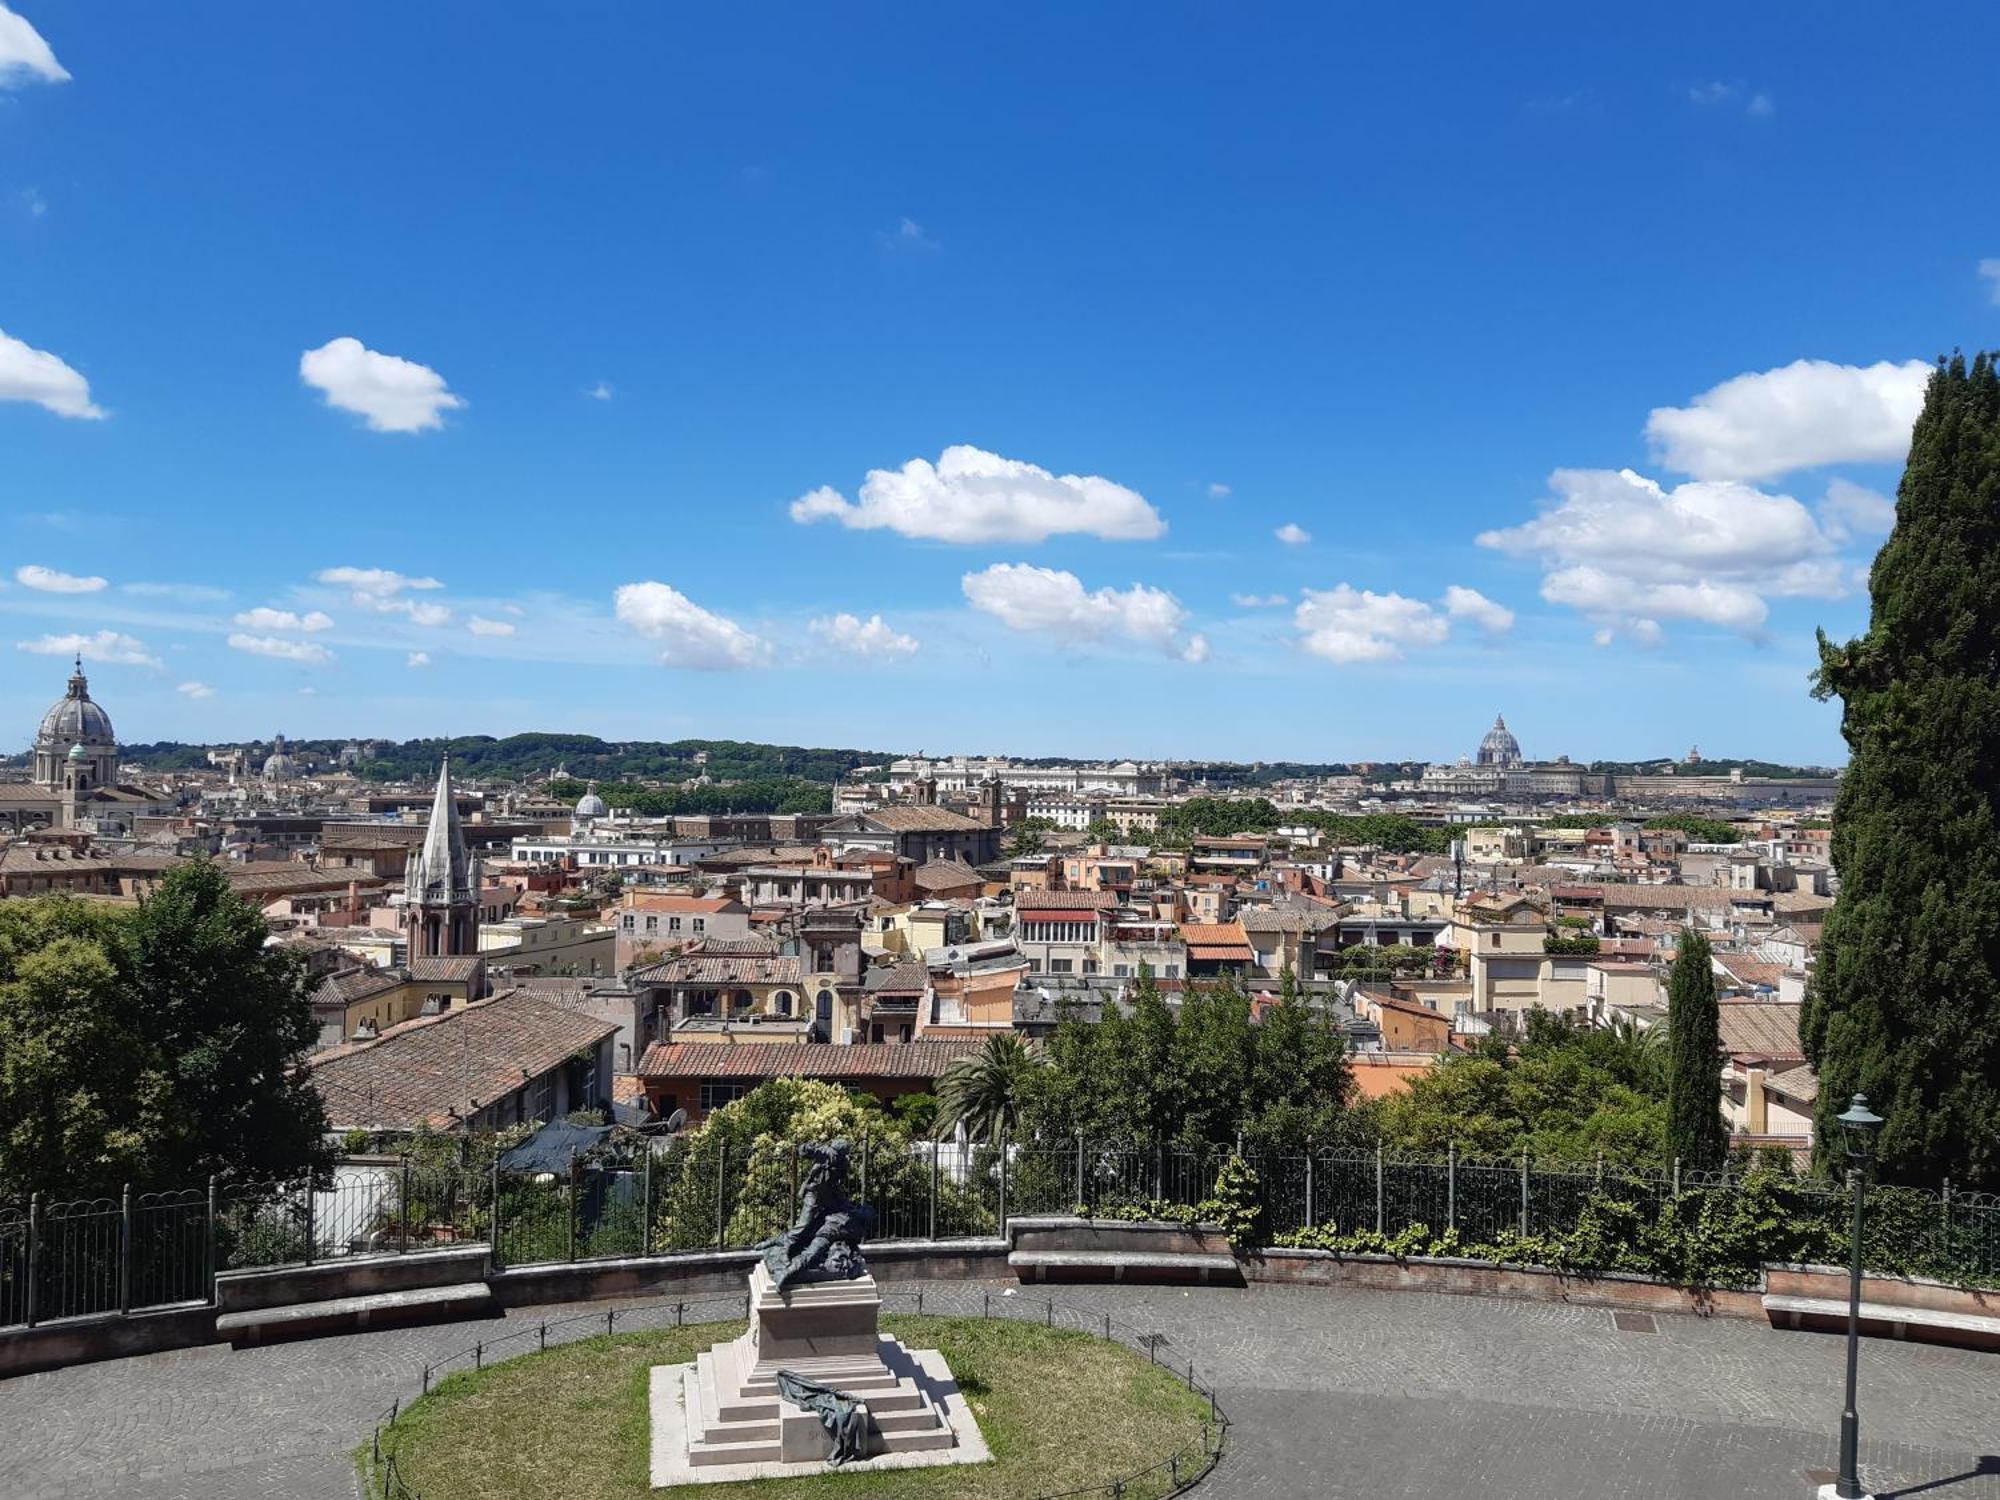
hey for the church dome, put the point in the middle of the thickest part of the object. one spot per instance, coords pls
(75, 719)
(1499, 748)
(590, 805)
(280, 766)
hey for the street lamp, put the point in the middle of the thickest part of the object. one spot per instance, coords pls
(1858, 1124)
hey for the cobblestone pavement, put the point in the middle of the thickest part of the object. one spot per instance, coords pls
(1333, 1392)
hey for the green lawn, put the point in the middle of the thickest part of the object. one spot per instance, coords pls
(1059, 1409)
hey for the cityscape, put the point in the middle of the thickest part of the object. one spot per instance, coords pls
(1251, 754)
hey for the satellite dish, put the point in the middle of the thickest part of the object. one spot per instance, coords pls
(677, 1120)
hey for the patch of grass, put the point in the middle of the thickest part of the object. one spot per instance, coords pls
(1059, 1409)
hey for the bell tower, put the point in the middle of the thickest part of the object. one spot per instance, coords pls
(442, 884)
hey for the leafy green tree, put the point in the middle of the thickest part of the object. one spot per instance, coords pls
(154, 1046)
(1695, 1130)
(985, 1090)
(1299, 1087)
(1905, 1001)
(1025, 843)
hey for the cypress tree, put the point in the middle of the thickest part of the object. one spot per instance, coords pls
(1695, 1131)
(1905, 1001)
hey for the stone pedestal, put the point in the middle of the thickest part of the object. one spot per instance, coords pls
(721, 1418)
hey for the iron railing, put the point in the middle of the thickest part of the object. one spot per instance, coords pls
(145, 1250)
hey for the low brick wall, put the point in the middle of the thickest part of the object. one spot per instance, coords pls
(1478, 1278)
(1896, 1291)
(80, 1341)
(706, 1272)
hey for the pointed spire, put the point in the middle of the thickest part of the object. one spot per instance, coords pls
(442, 870)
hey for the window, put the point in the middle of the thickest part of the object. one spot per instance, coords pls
(1059, 966)
(715, 1095)
(1121, 971)
(781, 1003)
(701, 924)
(652, 924)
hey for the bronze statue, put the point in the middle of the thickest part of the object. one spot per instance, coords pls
(824, 1242)
(844, 1418)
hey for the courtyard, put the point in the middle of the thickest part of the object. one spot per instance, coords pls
(1333, 1392)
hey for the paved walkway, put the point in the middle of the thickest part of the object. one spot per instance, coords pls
(1340, 1393)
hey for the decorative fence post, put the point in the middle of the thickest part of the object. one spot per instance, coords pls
(1159, 1188)
(1451, 1185)
(34, 1251)
(1677, 1177)
(937, 1147)
(864, 1179)
(211, 1247)
(1003, 1182)
(646, 1206)
(493, 1229)
(311, 1231)
(721, 1159)
(1309, 1189)
(1524, 1192)
(1378, 1190)
(403, 1206)
(571, 1205)
(1080, 1200)
(125, 1250)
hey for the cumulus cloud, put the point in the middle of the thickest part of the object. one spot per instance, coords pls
(1346, 624)
(263, 618)
(1292, 534)
(858, 637)
(1052, 602)
(382, 590)
(30, 374)
(480, 625)
(1469, 604)
(910, 236)
(689, 636)
(1218, 492)
(1990, 269)
(1259, 601)
(24, 56)
(1727, 94)
(195, 690)
(417, 659)
(391, 393)
(970, 495)
(1798, 416)
(102, 645)
(1855, 510)
(599, 392)
(309, 653)
(51, 581)
(1618, 546)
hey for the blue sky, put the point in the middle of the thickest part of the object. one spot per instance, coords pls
(917, 378)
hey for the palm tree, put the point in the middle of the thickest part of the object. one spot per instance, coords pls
(984, 1090)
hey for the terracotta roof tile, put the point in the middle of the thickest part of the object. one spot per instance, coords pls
(802, 1060)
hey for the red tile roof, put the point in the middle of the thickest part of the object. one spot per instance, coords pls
(802, 1060)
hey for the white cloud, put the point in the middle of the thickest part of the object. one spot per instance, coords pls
(512, 609)
(1259, 601)
(1052, 602)
(908, 235)
(310, 653)
(103, 645)
(970, 495)
(1798, 416)
(263, 618)
(381, 590)
(1727, 94)
(1761, 106)
(1218, 492)
(29, 374)
(1469, 604)
(1618, 546)
(1852, 509)
(393, 394)
(1990, 269)
(51, 581)
(1346, 624)
(185, 593)
(690, 636)
(480, 625)
(195, 690)
(24, 56)
(599, 392)
(1196, 650)
(870, 637)
(1292, 534)
(417, 659)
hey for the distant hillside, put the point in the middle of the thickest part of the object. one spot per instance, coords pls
(586, 756)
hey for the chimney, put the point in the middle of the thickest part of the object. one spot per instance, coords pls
(1755, 1119)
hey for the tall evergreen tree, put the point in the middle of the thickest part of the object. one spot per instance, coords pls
(1905, 1003)
(1695, 1131)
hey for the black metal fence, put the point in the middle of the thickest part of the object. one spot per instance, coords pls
(141, 1251)
(1183, 1458)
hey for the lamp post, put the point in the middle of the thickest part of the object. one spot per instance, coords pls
(1858, 1124)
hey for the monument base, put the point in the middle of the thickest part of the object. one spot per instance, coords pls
(721, 1417)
